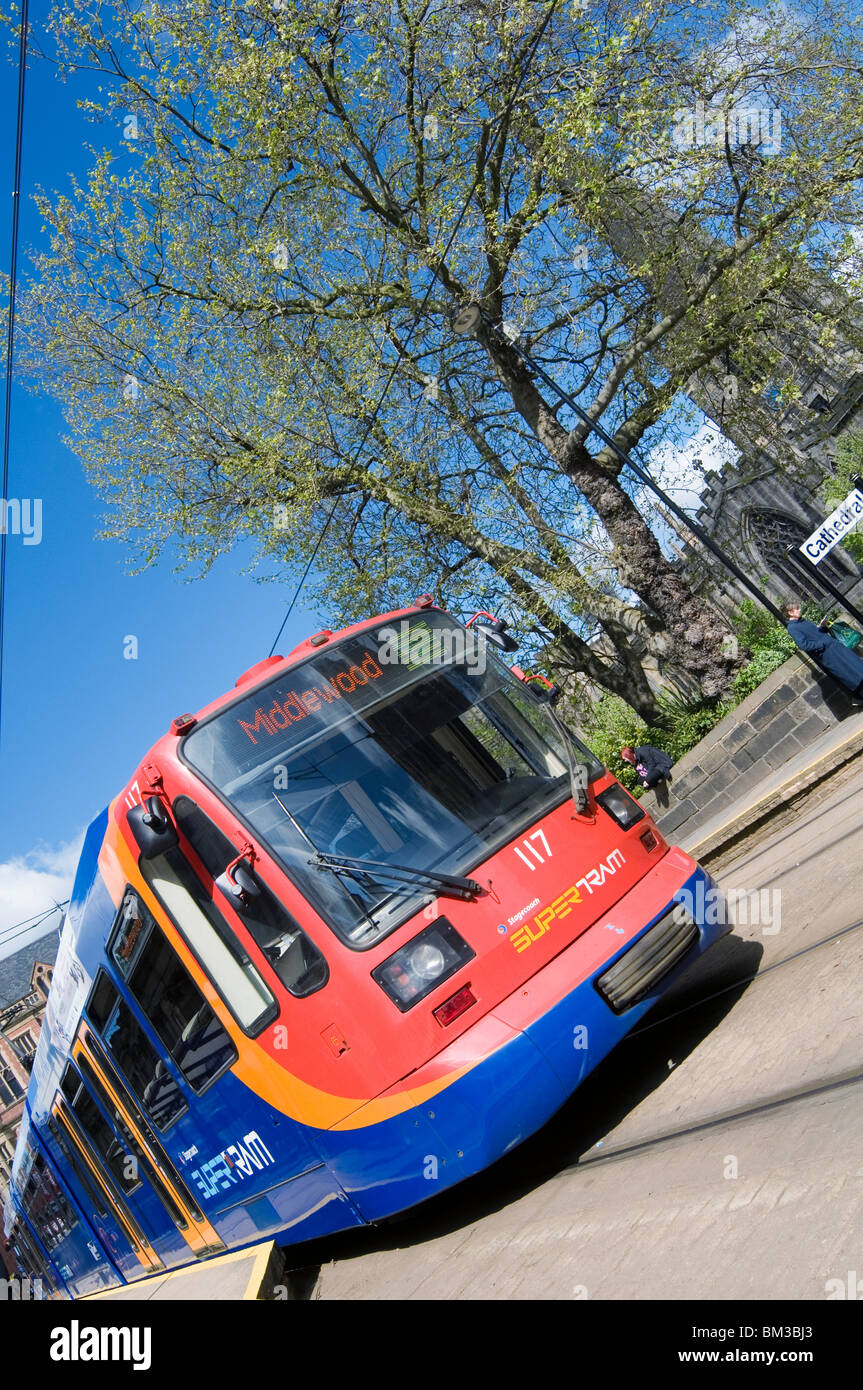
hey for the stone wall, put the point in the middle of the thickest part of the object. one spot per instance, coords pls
(787, 711)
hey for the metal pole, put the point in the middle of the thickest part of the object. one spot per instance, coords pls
(10, 327)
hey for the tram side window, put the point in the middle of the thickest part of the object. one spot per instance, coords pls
(292, 954)
(180, 1016)
(138, 1060)
(29, 1260)
(94, 1196)
(142, 1163)
(118, 1160)
(206, 933)
(47, 1207)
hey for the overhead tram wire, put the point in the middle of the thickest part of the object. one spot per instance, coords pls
(24, 944)
(504, 114)
(10, 334)
(19, 929)
(35, 919)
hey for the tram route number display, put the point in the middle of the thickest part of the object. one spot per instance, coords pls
(299, 704)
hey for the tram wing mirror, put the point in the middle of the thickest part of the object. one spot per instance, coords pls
(152, 828)
(544, 689)
(494, 630)
(238, 884)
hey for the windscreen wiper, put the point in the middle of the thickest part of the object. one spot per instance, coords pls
(579, 781)
(447, 885)
(353, 897)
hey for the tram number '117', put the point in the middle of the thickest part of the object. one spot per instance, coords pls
(537, 835)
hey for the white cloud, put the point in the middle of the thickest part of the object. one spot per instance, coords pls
(29, 884)
(680, 468)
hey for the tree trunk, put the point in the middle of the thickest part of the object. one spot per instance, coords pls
(698, 634)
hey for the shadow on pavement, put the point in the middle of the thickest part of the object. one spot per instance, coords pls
(691, 1009)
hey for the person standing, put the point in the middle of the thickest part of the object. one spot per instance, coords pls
(843, 664)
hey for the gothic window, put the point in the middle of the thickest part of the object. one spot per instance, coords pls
(772, 533)
(10, 1089)
(25, 1046)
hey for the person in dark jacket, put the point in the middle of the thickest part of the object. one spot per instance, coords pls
(652, 765)
(834, 656)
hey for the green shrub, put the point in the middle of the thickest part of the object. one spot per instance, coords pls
(849, 460)
(768, 642)
(608, 726)
(764, 660)
(611, 724)
(757, 629)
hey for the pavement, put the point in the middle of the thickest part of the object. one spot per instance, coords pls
(832, 750)
(754, 1209)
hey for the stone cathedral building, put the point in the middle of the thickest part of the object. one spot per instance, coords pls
(775, 495)
(761, 514)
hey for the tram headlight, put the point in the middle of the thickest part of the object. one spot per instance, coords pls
(416, 969)
(622, 807)
(428, 962)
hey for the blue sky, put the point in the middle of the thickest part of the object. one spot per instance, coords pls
(77, 715)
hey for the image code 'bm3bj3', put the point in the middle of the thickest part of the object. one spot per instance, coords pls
(347, 936)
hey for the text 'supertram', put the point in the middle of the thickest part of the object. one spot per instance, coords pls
(348, 935)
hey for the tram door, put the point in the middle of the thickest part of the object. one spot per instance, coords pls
(150, 1163)
(111, 1217)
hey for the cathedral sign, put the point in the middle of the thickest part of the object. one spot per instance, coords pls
(835, 528)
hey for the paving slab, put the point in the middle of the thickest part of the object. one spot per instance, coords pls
(681, 1220)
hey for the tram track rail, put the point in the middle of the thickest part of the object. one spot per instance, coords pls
(421, 1225)
(777, 1101)
(762, 1106)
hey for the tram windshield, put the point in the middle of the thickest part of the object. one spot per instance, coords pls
(411, 745)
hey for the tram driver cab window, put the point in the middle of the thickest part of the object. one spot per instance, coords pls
(296, 960)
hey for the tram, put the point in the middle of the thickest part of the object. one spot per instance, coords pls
(349, 934)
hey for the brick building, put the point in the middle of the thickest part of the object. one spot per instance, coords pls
(25, 978)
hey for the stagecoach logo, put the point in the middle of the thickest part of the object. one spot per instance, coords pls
(298, 705)
(570, 898)
(234, 1164)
